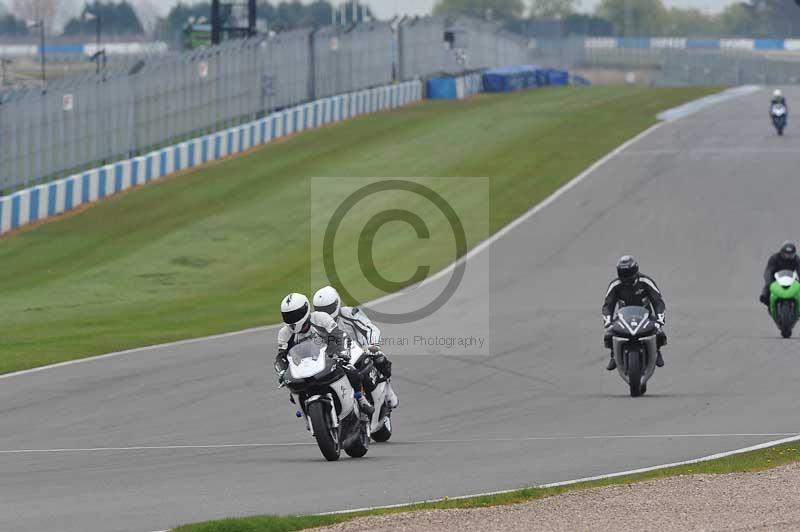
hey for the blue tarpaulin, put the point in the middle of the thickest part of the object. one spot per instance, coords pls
(510, 78)
(557, 77)
(521, 77)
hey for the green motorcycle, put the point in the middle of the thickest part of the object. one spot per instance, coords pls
(784, 301)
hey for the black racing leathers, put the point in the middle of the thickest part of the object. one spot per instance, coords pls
(643, 292)
(775, 264)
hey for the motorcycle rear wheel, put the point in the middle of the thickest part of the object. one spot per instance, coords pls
(384, 433)
(359, 447)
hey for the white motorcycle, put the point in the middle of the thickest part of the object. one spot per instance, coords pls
(779, 115)
(320, 387)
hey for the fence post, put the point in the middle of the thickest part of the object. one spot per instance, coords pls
(400, 50)
(312, 66)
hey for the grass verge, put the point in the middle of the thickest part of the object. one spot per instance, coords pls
(214, 250)
(742, 463)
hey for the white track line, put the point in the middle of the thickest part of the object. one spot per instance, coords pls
(406, 442)
(151, 448)
(695, 106)
(590, 479)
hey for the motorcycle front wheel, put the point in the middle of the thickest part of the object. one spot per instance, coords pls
(786, 320)
(326, 436)
(635, 373)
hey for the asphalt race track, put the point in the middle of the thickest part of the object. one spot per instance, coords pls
(196, 431)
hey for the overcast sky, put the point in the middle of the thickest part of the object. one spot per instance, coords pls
(383, 8)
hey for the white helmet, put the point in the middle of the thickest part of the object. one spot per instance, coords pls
(777, 93)
(327, 300)
(295, 311)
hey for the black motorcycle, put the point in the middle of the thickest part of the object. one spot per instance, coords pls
(633, 336)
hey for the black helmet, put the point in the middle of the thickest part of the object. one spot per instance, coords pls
(788, 250)
(627, 269)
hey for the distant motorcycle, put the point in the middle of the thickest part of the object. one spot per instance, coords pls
(784, 301)
(779, 114)
(633, 335)
(320, 388)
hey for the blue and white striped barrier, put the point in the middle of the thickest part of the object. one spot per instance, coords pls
(41, 202)
(631, 43)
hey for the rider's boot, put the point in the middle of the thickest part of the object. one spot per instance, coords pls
(612, 364)
(661, 340)
(364, 405)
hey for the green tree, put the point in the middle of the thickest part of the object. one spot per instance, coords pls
(553, 8)
(319, 13)
(12, 27)
(588, 25)
(776, 18)
(501, 10)
(690, 23)
(739, 20)
(635, 18)
(115, 18)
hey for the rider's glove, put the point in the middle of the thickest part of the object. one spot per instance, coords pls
(661, 319)
(281, 381)
(374, 349)
(606, 321)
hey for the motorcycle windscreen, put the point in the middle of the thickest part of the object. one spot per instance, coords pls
(633, 317)
(306, 359)
(786, 278)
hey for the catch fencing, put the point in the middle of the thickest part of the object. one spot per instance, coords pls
(139, 105)
(673, 61)
(44, 201)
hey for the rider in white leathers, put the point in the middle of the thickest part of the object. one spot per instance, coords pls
(301, 323)
(358, 327)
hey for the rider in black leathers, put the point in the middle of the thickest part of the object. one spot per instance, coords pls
(628, 289)
(785, 259)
